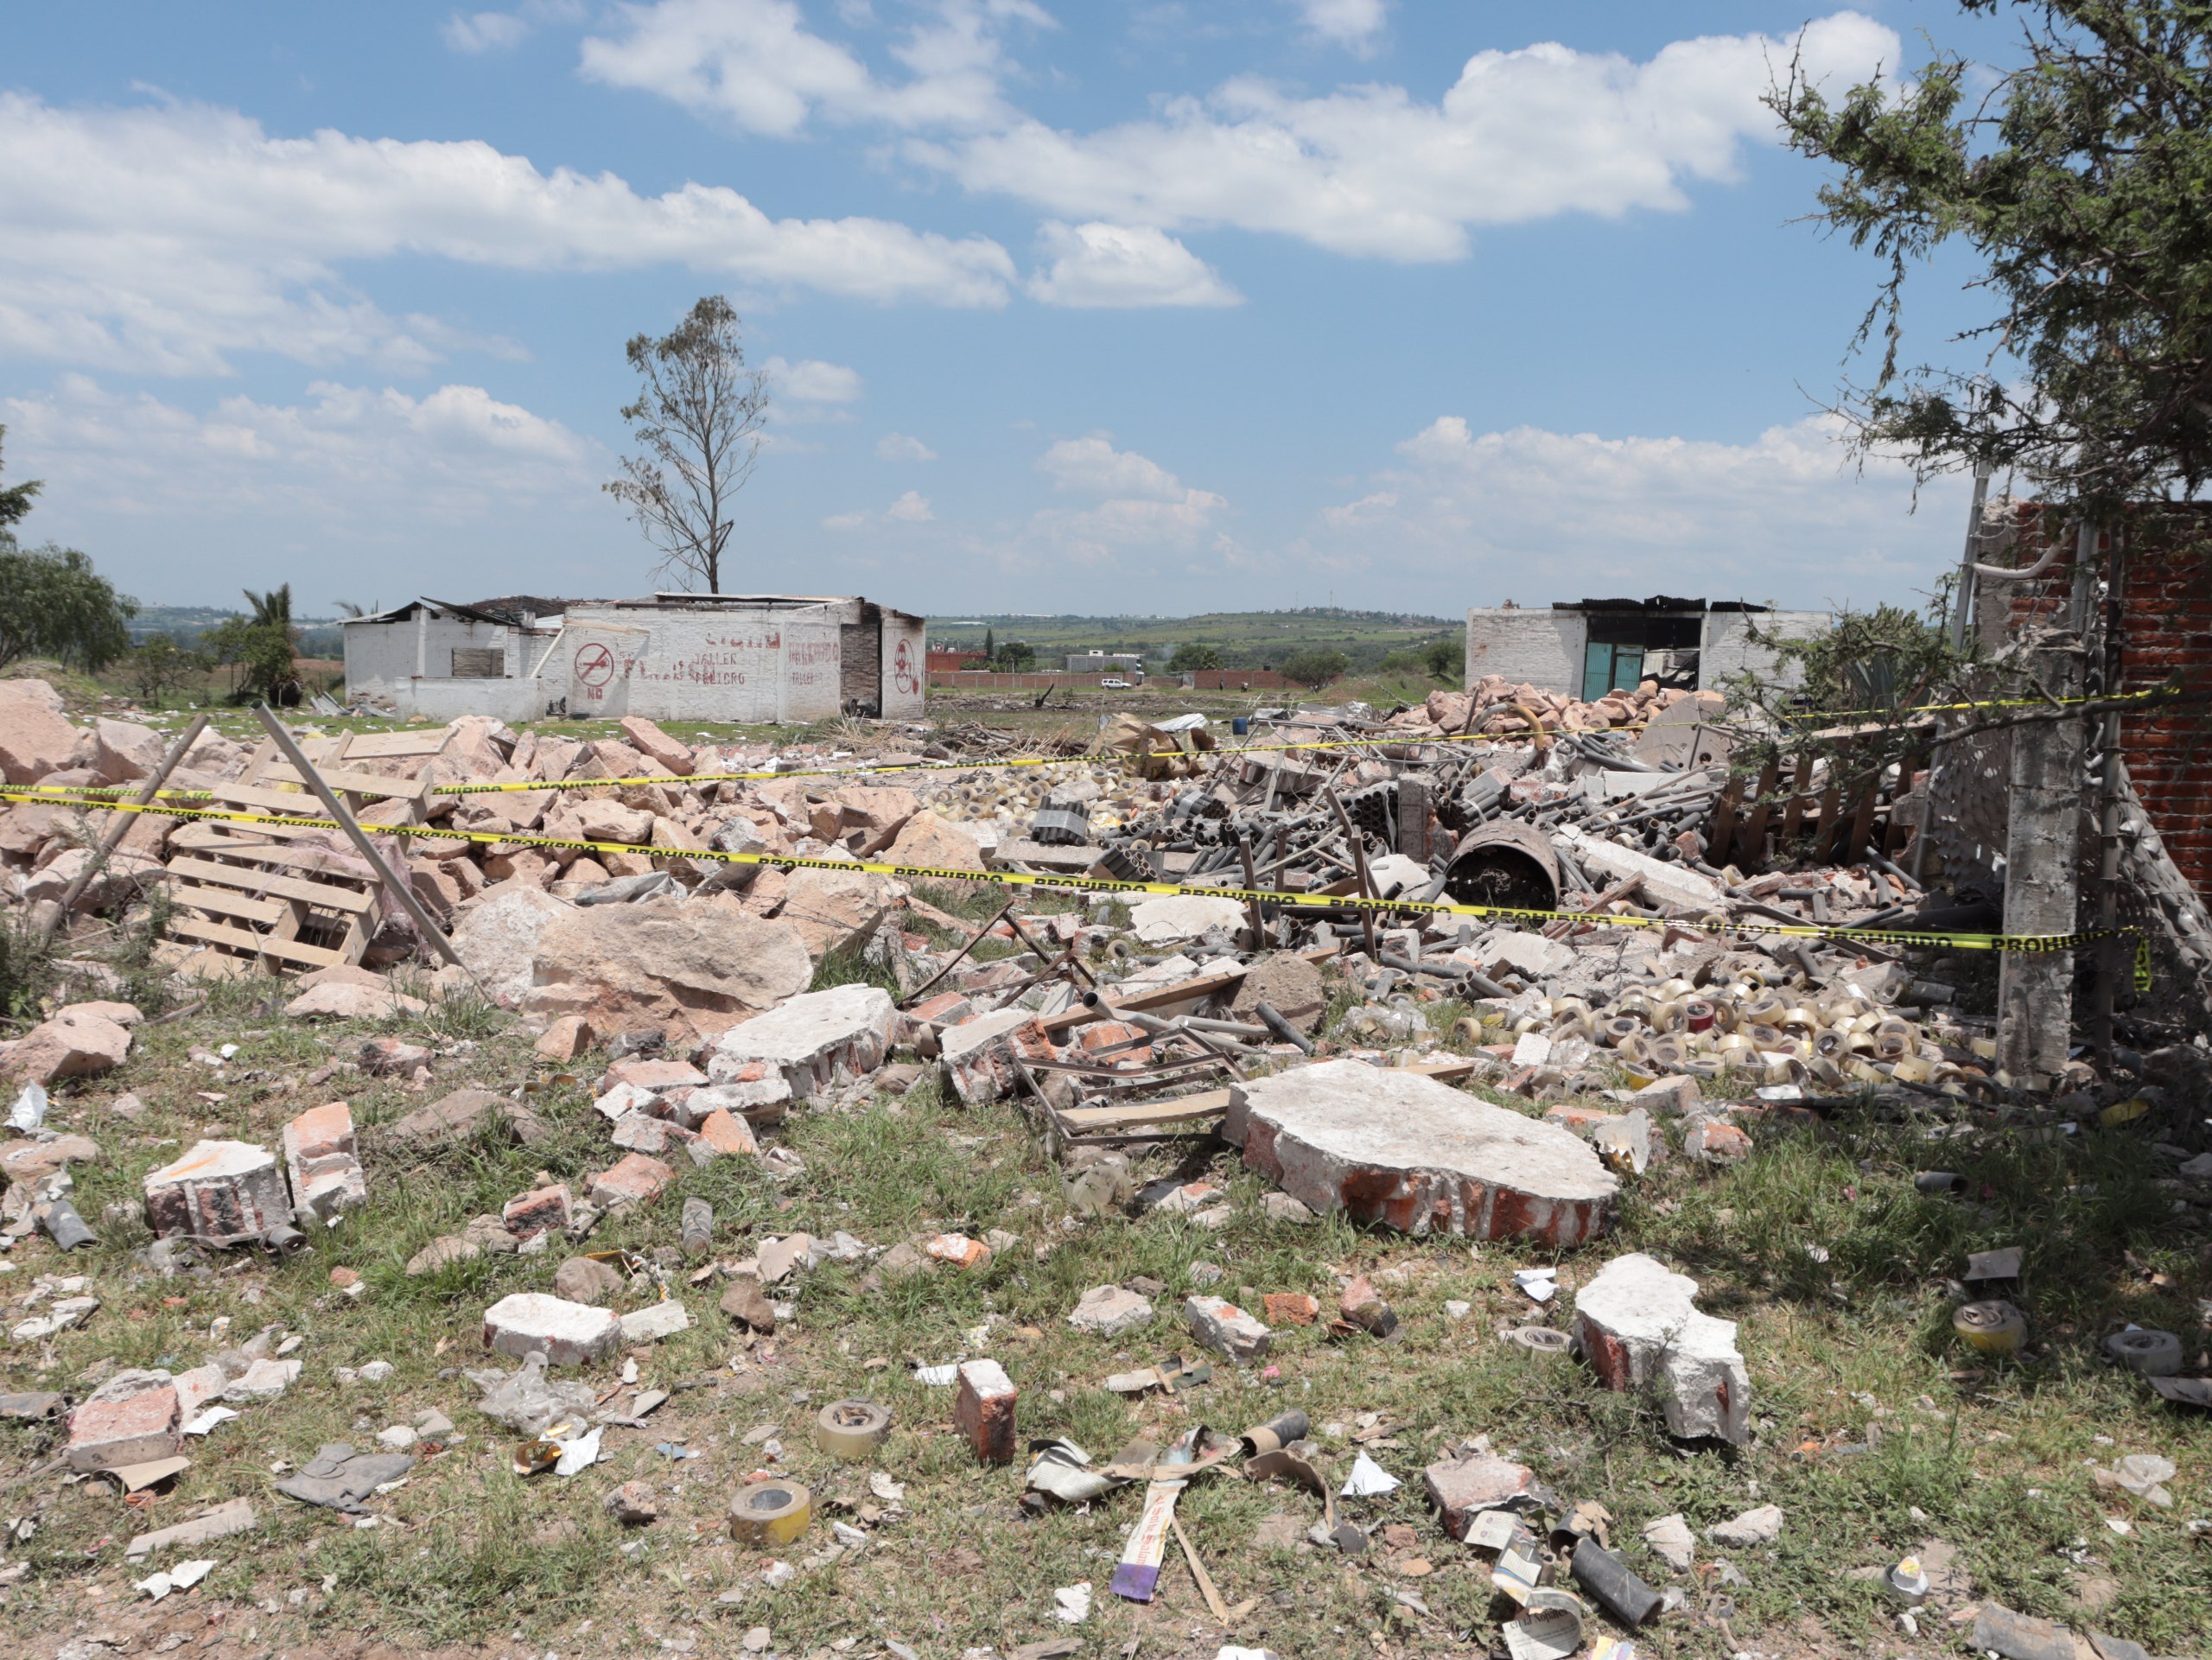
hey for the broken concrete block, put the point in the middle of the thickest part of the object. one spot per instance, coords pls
(1664, 883)
(130, 1419)
(635, 1179)
(566, 1333)
(655, 1321)
(542, 1209)
(1715, 1141)
(343, 1000)
(1998, 1630)
(1223, 1328)
(651, 1074)
(1393, 1147)
(1108, 1311)
(1675, 1094)
(727, 1134)
(585, 1280)
(392, 1058)
(1184, 916)
(1639, 1328)
(36, 736)
(1462, 1488)
(82, 1041)
(979, 1054)
(567, 1038)
(1672, 1542)
(818, 1041)
(235, 1516)
(221, 1193)
(1760, 1526)
(983, 1411)
(1531, 956)
(834, 911)
(640, 1132)
(326, 1177)
(462, 1113)
(649, 740)
(32, 1162)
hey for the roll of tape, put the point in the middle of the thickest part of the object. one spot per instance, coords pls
(2154, 1354)
(852, 1430)
(1993, 1327)
(1539, 1339)
(770, 1513)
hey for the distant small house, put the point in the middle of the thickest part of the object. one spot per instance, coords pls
(701, 657)
(1127, 664)
(1586, 648)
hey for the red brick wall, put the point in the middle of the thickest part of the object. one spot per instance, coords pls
(1237, 679)
(2167, 611)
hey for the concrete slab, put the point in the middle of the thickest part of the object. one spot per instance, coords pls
(221, 1193)
(818, 1041)
(1406, 1152)
(1639, 1328)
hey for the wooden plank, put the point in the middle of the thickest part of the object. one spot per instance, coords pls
(218, 902)
(1752, 848)
(1183, 1109)
(369, 783)
(252, 944)
(310, 862)
(1793, 811)
(389, 746)
(1183, 991)
(1831, 807)
(1862, 823)
(327, 894)
(1448, 1071)
(298, 804)
(1724, 823)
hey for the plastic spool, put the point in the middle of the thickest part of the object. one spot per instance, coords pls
(1544, 1340)
(1994, 1327)
(2154, 1354)
(770, 1513)
(852, 1430)
(1699, 1015)
(1621, 1027)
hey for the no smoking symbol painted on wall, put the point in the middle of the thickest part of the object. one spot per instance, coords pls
(902, 667)
(594, 665)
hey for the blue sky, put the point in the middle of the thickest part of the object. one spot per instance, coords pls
(1122, 307)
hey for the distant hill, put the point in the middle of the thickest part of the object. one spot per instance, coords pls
(1246, 640)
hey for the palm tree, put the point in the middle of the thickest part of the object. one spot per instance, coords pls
(273, 606)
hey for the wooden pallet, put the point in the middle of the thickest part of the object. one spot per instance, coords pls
(280, 899)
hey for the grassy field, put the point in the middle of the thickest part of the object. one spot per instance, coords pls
(1244, 639)
(1874, 1433)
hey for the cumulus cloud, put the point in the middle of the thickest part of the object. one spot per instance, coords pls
(756, 64)
(900, 447)
(1099, 266)
(911, 508)
(1535, 515)
(1371, 170)
(500, 31)
(812, 381)
(1139, 503)
(164, 240)
(1353, 24)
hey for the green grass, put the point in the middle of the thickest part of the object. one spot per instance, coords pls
(1854, 1352)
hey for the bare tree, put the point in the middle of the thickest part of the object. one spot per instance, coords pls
(697, 418)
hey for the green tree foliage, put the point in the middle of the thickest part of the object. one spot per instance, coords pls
(1314, 668)
(260, 649)
(1192, 657)
(2077, 180)
(1015, 656)
(158, 667)
(53, 604)
(1446, 657)
(697, 421)
(15, 499)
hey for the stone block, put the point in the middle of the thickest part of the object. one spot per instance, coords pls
(78, 1042)
(983, 1411)
(667, 753)
(1108, 1311)
(1223, 1328)
(818, 1041)
(36, 736)
(1173, 918)
(979, 1054)
(464, 1112)
(1715, 1141)
(655, 1321)
(220, 1193)
(1462, 1488)
(350, 1001)
(542, 1209)
(566, 1039)
(566, 1333)
(318, 1155)
(727, 1134)
(1639, 1328)
(651, 1075)
(1393, 1147)
(695, 969)
(1675, 1095)
(635, 1178)
(130, 1419)
(640, 1132)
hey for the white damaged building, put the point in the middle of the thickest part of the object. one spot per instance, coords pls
(1585, 648)
(697, 657)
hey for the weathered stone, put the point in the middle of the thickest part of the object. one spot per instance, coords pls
(1639, 1328)
(1108, 1311)
(30, 1162)
(1223, 1328)
(610, 821)
(122, 750)
(221, 1193)
(566, 1039)
(983, 1411)
(871, 817)
(728, 1135)
(757, 1093)
(352, 1002)
(566, 1333)
(931, 843)
(542, 1209)
(1715, 1141)
(1760, 1526)
(462, 1113)
(834, 911)
(235, 1516)
(634, 1180)
(1281, 1207)
(1287, 983)
(1531, 956)
(632, 1505)
(1671, 1541)
(117, 879)
(1393, 1147)
(1676, 1095)
(697, 968)
(581, 1279)
(746, 1302)
(654, 1321)
(77, 1042)
(129, 1419)
(1462, 1488)
(979, 1054)
(497, 938)
(640, 1132)
(650, 1074)
(1184, 916)
(649, 740)
(818, 1041)
(392, 1058)
(36, 737)
(483, 1233)
(1998, 1630)
(320, 1157)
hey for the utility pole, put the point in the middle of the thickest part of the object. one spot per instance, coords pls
(2035, 1003)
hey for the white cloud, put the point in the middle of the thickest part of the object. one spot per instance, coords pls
(1371, 170)
(1099, 265)
(851, 521)
(162, 240)
(1536, 515)
(911, 508)
(899, 446)
(502, 31)
(756, 63)
(1141, 503)
(812, 381)
(1352, 23)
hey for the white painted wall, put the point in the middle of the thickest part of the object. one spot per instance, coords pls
(1543, 648)
(1727, 649)
(380, 656)
(905, 660)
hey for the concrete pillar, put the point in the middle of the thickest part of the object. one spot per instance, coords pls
(2042, 851)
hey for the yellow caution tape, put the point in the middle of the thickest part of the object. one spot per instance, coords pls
(1712, 924)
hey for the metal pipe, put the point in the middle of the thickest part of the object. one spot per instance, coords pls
(1282, 1028)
